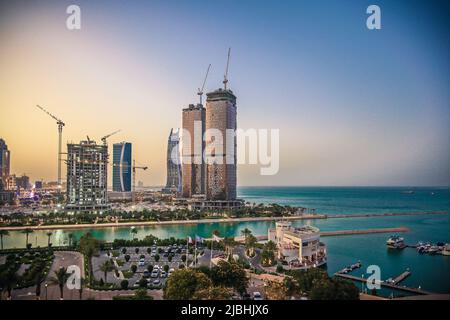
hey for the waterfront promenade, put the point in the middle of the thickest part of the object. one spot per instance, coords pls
(211, 220)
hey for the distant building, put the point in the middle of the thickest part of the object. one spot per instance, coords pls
(10, 183)
(87, 165)
(122, 167)
(173, 183)
(38, 184)
(23, 182)
(4, 161)
(140, 184)
(221, 116)
(193, 168)
(299, 247)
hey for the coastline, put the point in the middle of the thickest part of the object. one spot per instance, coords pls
(205, 221)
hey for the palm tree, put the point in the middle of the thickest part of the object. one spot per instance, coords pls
(49, 235)
(27, 232)
(229, 244)
(106, 267)
(38, 281)
(250, 243)
(70, 239)
(82, 283)
(246, 232)
(133, 232)
(60, 279)
(3, 233)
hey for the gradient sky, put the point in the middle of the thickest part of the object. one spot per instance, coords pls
(354, 106)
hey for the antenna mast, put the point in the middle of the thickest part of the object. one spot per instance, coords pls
(200, 91)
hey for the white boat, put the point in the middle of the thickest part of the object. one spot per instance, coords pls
(395, 242)
(446, 250)
(433, 249)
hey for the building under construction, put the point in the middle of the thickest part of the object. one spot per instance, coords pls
(87, 165)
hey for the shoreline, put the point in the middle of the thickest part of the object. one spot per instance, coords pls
(204, 221)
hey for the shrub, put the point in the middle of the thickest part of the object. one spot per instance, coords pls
(149, 250)
(166, 268)
(183, 257)
(136, 250)
(124, 284)
(280, 268)
(143, 283)
(169, 258)
(127, 257)
(142, 256)
(150, 267)
(157, 257)
(124, 250)
(133, 268)
(181, 266)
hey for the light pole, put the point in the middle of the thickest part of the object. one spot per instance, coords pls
(46, 295)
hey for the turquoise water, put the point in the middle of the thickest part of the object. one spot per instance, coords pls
(430, 272)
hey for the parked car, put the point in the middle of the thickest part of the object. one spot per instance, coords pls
(163, 274)
(257, 296)
(155, 274)
(146, 274)
(156, 282)
(141, 262)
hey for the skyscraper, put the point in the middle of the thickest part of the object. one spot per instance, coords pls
(122, 167)
(221, 116)
(173, 183)
(193, 176)
(87, 165)
(4, 161)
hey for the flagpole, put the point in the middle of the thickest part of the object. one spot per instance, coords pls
(210, 260)
(195, 253)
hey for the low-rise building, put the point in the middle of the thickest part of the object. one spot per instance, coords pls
(300, 247)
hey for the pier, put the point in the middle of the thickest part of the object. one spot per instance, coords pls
(391, 285)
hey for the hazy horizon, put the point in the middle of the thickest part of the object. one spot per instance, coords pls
(354, 107)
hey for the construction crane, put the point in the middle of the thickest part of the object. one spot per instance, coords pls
(200, 91)
(133, 193)
(225, 77)
(109, 135)
(60, 124)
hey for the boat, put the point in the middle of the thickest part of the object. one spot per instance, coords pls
(408, 192)
(433, 249)
(446, 250)
(396, 242)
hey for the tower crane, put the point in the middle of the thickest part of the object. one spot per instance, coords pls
(60, 124)
(109, 135)
(225, 77)
(133, 194)
(200, 91)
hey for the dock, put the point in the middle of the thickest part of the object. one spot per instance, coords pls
(401, 277)
(388, 284)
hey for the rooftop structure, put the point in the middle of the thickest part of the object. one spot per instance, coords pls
(300, 247)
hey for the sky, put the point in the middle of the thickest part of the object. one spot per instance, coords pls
(354, 106)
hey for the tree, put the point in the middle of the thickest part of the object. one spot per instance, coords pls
(268, 254)
(230, 275)
(156, 257)
(49, 235)
(250, 243)
(8, 280)
(105, 267)
(27, 232)
(127, 257)
(124, 284)
(246, 232)
(133, 268)
(229, 244)
(183, 284)
(133, 233)
(213, 293)
(60, 279)
(38, 282)
(89, 246)
(275, 290)
(70, 239)
(3, 233)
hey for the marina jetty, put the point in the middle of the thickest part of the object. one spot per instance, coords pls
(336, 233)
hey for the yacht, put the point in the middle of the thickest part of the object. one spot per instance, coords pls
(395, 242)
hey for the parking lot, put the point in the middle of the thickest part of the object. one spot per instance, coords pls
(155, 264)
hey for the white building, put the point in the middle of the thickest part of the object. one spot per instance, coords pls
(299, 247)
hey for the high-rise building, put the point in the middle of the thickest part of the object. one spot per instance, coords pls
(122, 167)
(173, 184)
(4, 161)
(87, 165)
(193, 168)
(23, 182)
(221, 117)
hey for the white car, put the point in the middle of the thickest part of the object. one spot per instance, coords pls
(141, 262)
(257, 296)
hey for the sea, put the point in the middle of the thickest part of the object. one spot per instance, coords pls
(429, 272)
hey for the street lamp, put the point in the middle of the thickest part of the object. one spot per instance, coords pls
(46, 295)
